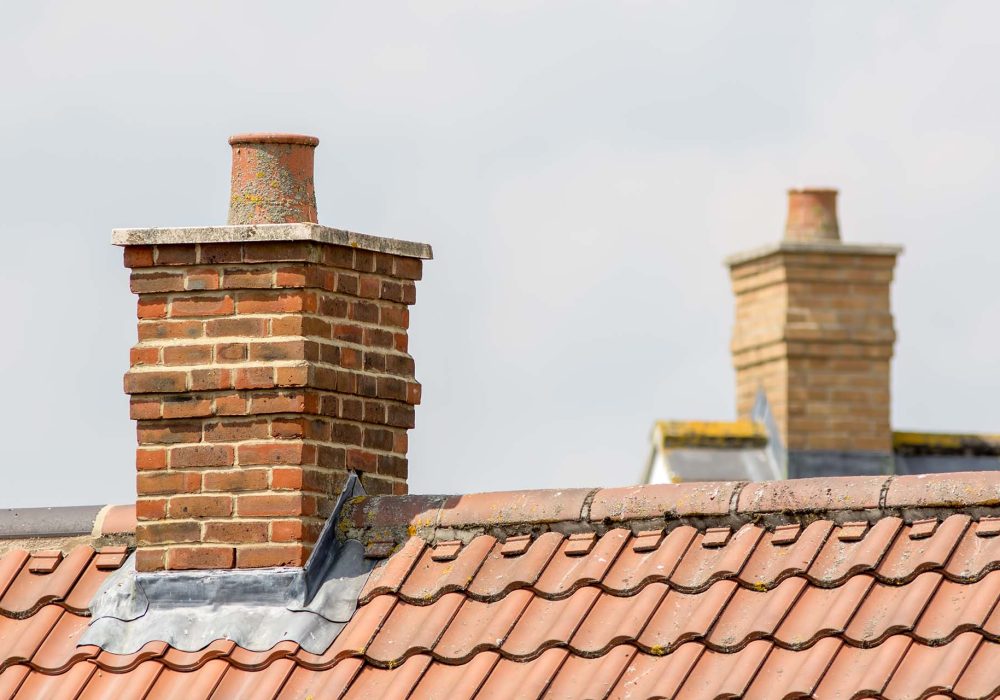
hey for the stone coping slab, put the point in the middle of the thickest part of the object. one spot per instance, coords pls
(818, 247)
(269, 233)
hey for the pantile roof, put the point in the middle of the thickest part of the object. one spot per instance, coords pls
(823, 588)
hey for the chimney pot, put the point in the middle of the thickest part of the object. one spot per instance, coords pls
(812, 215)
(272, 180)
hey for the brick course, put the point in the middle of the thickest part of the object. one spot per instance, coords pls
(262, 373)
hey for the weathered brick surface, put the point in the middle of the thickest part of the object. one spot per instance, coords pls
(814, 330)
(262, 373)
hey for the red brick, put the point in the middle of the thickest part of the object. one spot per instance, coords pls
(285, 402)
(202, 279)
(201, 456)
(149, 559)
(236, 328)
(368, 287)
(166, 482)
(142, 355)
(291, 376)
(166, 531)
(168, 432)
(216, 253)
(274, 251)
(237, 430)
(187, 355)
(239, 480)
(283, 302)
(236, 531)
(230, 405)
(206, 557)
(287, 530)
(186, 406)
(348, 333)
(274, 555)
(150, 459)
(271, 453)
(176, 254)
(139, 256)
(258, 277)
(144, 408)
(202, 305)
(154, 382)
(254, 378)
(339, 256)
(283, 350)
(156, 282)
(151, 307)
(211, 379)
(360, 459)
(231, 352)
(290, 428)
(271, 504)
(183, 507)
(170, 330)
(151, 508)
(283, 478)
(408, 268)
(392, 465)
(292, 276)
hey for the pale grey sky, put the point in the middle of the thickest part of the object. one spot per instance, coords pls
(580, 168)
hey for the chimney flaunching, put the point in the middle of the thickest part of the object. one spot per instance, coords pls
(271, 359)
(814, 333)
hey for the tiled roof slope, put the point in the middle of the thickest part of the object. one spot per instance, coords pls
(829, 588)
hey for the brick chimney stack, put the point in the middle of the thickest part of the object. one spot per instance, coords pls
(814, 332)
(271, 359)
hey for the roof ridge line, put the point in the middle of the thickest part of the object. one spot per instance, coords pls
(700, 504)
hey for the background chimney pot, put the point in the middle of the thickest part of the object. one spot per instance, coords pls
(272, 181)
(812, 215)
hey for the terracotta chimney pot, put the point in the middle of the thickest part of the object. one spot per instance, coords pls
(272, 180)
(812, 215)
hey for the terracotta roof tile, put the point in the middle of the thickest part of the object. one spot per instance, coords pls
(821, 612)
(549, 623)
(631, 614)
(581, 677)
(634, 569)
(501, 573)
(909, 556)
(254, 685)
(927, 668)
(751, 614)
(841, 558)
(682, 617)
(700, 565)
(429, 578)
(511, 680)
(566, 572)
(979, 679)
(796, 673)
(649, 676)
(447, 681)
(479, 626)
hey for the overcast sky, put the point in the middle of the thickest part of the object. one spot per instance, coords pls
(580, 169)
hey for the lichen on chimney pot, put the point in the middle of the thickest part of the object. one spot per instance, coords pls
(272, 180)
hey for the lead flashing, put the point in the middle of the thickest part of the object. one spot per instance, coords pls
(824, 248)
(269, 233)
